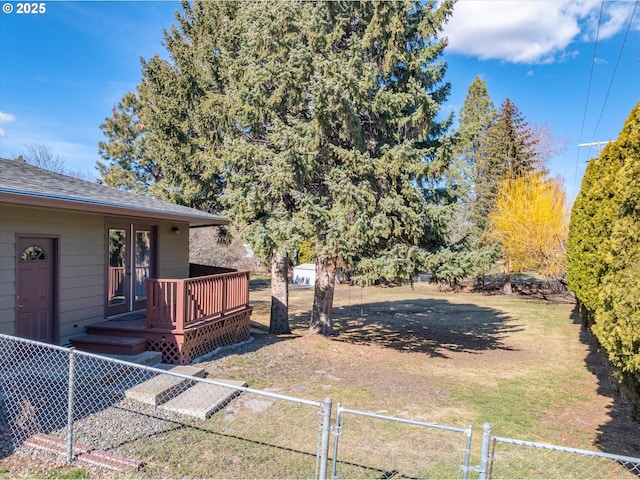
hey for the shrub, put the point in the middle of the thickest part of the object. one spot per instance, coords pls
(604, 253)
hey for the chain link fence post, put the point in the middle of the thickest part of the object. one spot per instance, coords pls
(326, 432)
(467, 453)
(70, 403)
(337, 431)
(484, 452)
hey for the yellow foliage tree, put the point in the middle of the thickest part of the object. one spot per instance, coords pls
(530, 220)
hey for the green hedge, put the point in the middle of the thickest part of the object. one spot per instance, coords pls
(604, 253)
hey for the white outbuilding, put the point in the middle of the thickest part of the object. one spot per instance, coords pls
(304, 274)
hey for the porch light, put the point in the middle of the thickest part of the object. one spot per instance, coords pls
(175, 230)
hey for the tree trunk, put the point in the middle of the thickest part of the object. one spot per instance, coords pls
(506, 286)
(323, 297)
(279, 320)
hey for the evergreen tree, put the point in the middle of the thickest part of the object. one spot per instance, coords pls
(375, 204)
(130, 168)
(507, 151)
(476, 116)
(589, 239)
(269, 157)
(469, 254)
(185, 102)
(617, 318)
(338, 104)
(318, 122)
(604, 254)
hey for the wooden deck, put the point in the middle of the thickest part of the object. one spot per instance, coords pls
(186, 318)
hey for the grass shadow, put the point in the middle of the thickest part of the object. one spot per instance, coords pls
(431, 326)
(258, 283)
(620, 434)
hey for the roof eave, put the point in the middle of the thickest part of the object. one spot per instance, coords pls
(46, 201)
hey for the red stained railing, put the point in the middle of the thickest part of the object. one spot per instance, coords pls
(178, 304)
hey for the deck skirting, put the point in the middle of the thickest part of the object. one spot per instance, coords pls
(183, 348)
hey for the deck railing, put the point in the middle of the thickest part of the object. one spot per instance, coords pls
(177, 304)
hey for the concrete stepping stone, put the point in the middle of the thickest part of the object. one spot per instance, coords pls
(204, 399)
(162, 387)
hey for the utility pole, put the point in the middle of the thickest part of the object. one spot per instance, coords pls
(596, 145)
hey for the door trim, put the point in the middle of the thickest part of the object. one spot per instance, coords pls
(55, 274)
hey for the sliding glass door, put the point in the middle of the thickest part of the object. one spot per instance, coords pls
(131, 262)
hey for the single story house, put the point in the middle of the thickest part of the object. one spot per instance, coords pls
(108, 271)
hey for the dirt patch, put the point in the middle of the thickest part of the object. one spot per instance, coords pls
(416, 349)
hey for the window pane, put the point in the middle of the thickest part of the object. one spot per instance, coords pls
(117, 265)
(143, 262)
(33, 252)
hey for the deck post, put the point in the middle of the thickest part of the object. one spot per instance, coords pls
(181, 304)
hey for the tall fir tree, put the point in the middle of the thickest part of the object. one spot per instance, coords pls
(375, 205)
(269, 157)
(318, 122)
(469, 256)
(130, 166)
(507, 151)
(185, 102)
(476, 116)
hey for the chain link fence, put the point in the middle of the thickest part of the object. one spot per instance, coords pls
(510, 458)
(370, 445)
(175, 422)
(181, 423)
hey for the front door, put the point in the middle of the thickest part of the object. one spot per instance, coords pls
(131, 262)
(35, 289)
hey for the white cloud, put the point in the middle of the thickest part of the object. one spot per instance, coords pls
(5, 118)
(529, 31)
(615, 19)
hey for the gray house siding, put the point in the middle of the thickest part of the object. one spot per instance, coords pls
(81, 242)
(7, 279)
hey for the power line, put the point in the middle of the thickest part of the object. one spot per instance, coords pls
(586, 104)
(624, 40)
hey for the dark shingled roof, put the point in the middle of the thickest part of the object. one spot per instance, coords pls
(21, 183)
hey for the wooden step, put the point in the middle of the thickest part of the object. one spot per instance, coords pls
(93, 343)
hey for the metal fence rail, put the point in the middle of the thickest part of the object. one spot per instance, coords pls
(370, 445)
(512, 458)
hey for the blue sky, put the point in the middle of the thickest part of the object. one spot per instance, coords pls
(62, 71)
